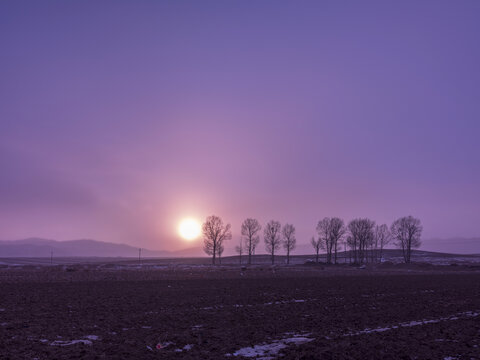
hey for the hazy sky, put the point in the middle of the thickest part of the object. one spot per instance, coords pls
(118, 119)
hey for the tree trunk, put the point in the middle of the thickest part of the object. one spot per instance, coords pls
(288, 256)
(249, 251)
(404, 254)
(214, 253)
(409, 248)
(335, 253)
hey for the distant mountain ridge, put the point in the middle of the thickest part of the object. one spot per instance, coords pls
(37, 247)
(457, 245)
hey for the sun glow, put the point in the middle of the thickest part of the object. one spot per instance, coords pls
(189, 229)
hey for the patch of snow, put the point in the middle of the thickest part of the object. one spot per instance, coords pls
(146, 327)
(216, 307)
(86, 341)
(185, 348)
(284, 302)
(68, 343)
(160, 346)
(269, 350)
(458, 316)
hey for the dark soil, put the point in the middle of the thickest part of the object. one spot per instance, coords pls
(220, 311)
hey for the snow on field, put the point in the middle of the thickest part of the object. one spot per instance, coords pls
(267, 351)
(87, 340)
(283, 302)
(185, 348)
(462, 315)
(68, 343)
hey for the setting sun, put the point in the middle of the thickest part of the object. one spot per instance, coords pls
(189, 229)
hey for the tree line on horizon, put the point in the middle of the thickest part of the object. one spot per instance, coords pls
(362, 237)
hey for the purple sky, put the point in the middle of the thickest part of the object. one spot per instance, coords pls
(117, 119)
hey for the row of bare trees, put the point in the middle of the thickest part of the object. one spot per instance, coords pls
(274, 236)
(215, 232)
(365, 240)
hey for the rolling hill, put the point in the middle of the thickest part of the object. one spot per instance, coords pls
(36, 247)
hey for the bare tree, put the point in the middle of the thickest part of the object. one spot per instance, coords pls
(250, 229)
(361, 236)
(351, 243)
(323, 230)
(214, 234)
(289, 240)
(337, 231)
(330, 233)
(271, 236)
(406, 232)
(382, 237)
(220, 249)
(239, 250)
(317, 246)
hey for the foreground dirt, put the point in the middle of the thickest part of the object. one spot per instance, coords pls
(195, 313)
